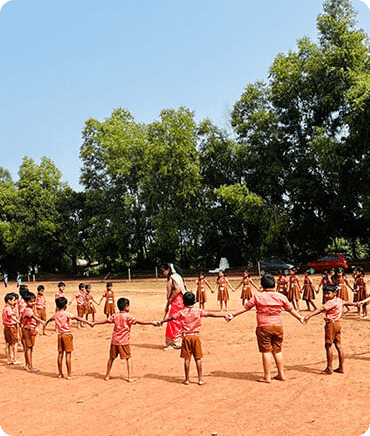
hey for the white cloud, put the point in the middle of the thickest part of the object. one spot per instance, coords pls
(367, 2)
(2, 3)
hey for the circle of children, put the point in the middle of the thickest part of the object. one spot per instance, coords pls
(24, 316)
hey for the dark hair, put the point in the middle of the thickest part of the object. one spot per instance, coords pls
(109, 284)
(122, 303)
(61, 284)
(61, 302)
(29, 296)
(361, 270)
(40, 287)
(329, 288)
(268, 281)
(23, 292)
(81, 286)
(16, 296)
(308, 272)
(189, 299)
(87, 286)
(9, 296)
(169, 266)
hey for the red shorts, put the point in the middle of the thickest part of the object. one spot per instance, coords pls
(11, 334)
(333, 333)
(80, 311)
(41, 313)
(29, 337)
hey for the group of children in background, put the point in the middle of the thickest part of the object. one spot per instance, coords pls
(24, 316)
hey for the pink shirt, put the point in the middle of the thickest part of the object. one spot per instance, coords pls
(122, 326)
(27, 319)
(21, 305)
(62, 321)
(7, 314)
(269, 305)
(80, 298)
(40, 301)
(59, 294)
(190, 319)
(333, 309)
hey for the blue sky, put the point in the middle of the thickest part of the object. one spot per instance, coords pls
(64, 62)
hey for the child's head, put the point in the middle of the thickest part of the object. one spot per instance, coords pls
(246, 273)
(109, 285)
(292, 271)
(88, 287)
(330, 291)
(61, 285)
(23, 291)
(189, 299)
(10, 298)
(40, 289)
(61, 303)
(307, 273)
(29, 298)
(268, 281)
(201, 275)
(123, 304)
(81, 286)
(221, 273)
(360, 271)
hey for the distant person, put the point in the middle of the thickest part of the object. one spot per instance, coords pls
(246, 283)
(200, 292)
(222, 285)
(282, 284)
(109, 306)
(40, 305)
(89, 303)
(269, 332)
(80, 298)
(19, 279)
(6, 280)
(361, 291)
(294, 289)
(10, 322)
(308, 291)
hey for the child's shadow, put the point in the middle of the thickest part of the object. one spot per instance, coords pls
(151, 346)
(167, 378)
(358, 356)
(253, 376)
(98, 375)
(305, 368)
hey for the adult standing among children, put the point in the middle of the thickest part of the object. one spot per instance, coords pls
(175, 289)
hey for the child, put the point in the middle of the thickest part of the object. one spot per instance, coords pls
(29, 322)
(60, 291)
(222, 283)
(120, 344)
(361, 291)
(190, 327)
(294, 289)
(201, 296)
(308, 291)
(89, 303)
(41, 305)
(62, 320)
(80, 298)
(109, 308)
(10, 322)
(282, 284)
(246, 281)
(333, 309)
(269, 330)
(325, 280)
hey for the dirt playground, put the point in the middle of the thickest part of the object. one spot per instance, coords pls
(231, 403)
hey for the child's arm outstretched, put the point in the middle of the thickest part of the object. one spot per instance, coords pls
(78, 318)
(314, 313)
(294, 313)
(153, 323)
(238, 312)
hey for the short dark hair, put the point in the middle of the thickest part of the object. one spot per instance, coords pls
(122, 303)
(40, 287)
(9, 296)
(329, 288)
(81, 286)
(189, 299)
(61, 284)
(61, 302)
(109, 284)
(268, 281)
(29, 296)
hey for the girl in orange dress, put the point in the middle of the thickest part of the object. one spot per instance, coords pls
(294, 289)
(89, 303)
(282, 284)
(308, 291)
(201, 295)
(109, 308)
(361, 287)
(342, 285)
(222, 285)
(246, 284)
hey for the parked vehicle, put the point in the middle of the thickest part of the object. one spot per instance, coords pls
(274, 265)
(330, 261)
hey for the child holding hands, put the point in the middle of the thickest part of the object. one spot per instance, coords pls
(120, 344)
(190, 327)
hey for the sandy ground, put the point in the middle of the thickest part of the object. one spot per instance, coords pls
(231, 403)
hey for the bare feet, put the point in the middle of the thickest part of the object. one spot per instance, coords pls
(131, 380)
(201, 382)
(70, 377)
(279, 377)
(328, 371)
(106, 378)
(263, 380)
(339, 370)
(16, 362)
(186, 382)
(60, 376)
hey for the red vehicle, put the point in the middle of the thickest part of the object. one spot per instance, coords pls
(330, 261)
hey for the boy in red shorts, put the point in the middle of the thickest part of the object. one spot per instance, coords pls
(10, 322)
(269, 329)
(190, 328)
(333, 309)
(29, 321)
(62, 320)
(120, 344)
(41, 305)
